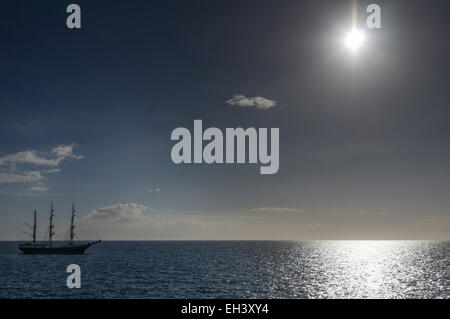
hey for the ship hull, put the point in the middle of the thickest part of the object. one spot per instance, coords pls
(57, 250)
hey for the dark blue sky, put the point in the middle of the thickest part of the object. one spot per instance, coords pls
(363, 138)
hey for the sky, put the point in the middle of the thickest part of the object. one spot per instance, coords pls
(87, 116)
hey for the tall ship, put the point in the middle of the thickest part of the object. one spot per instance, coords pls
(49, 247)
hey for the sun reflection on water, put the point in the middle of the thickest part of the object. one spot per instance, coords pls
(373, 269)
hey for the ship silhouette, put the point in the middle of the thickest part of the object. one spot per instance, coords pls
(48, 247)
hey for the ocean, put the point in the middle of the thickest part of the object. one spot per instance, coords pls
(234, 269)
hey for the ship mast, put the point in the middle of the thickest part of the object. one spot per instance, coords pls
(34, 227)
(50, 231)
(72, 225)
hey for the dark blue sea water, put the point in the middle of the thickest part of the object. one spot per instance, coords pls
(233, 269)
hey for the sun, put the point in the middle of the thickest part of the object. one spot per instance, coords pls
(354, 39)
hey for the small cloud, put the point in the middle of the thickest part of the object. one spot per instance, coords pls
(118, 212)
(156, 190)
(38, 189)
(312, 225)
(64, 151)
(257, 102)
(276, 210)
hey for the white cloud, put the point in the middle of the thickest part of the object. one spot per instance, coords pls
(276, 210)
(15, 167)
(27, 157)
(33, 157)
(64, 151)
(157, 190)
(118, 212)
(257, 102)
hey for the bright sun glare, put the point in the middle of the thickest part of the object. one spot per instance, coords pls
(355, 39)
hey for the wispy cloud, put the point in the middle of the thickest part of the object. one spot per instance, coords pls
(22, 167)
(118, 212)
(361, 212)
(383, 214)
(156, 190)
(27, 157)
(374, 213)
(52, 158)
(38, 189)
(53, 170)
(276, 210)
(65, 151)
(23, 177)
(19, 194)
(256, 102)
